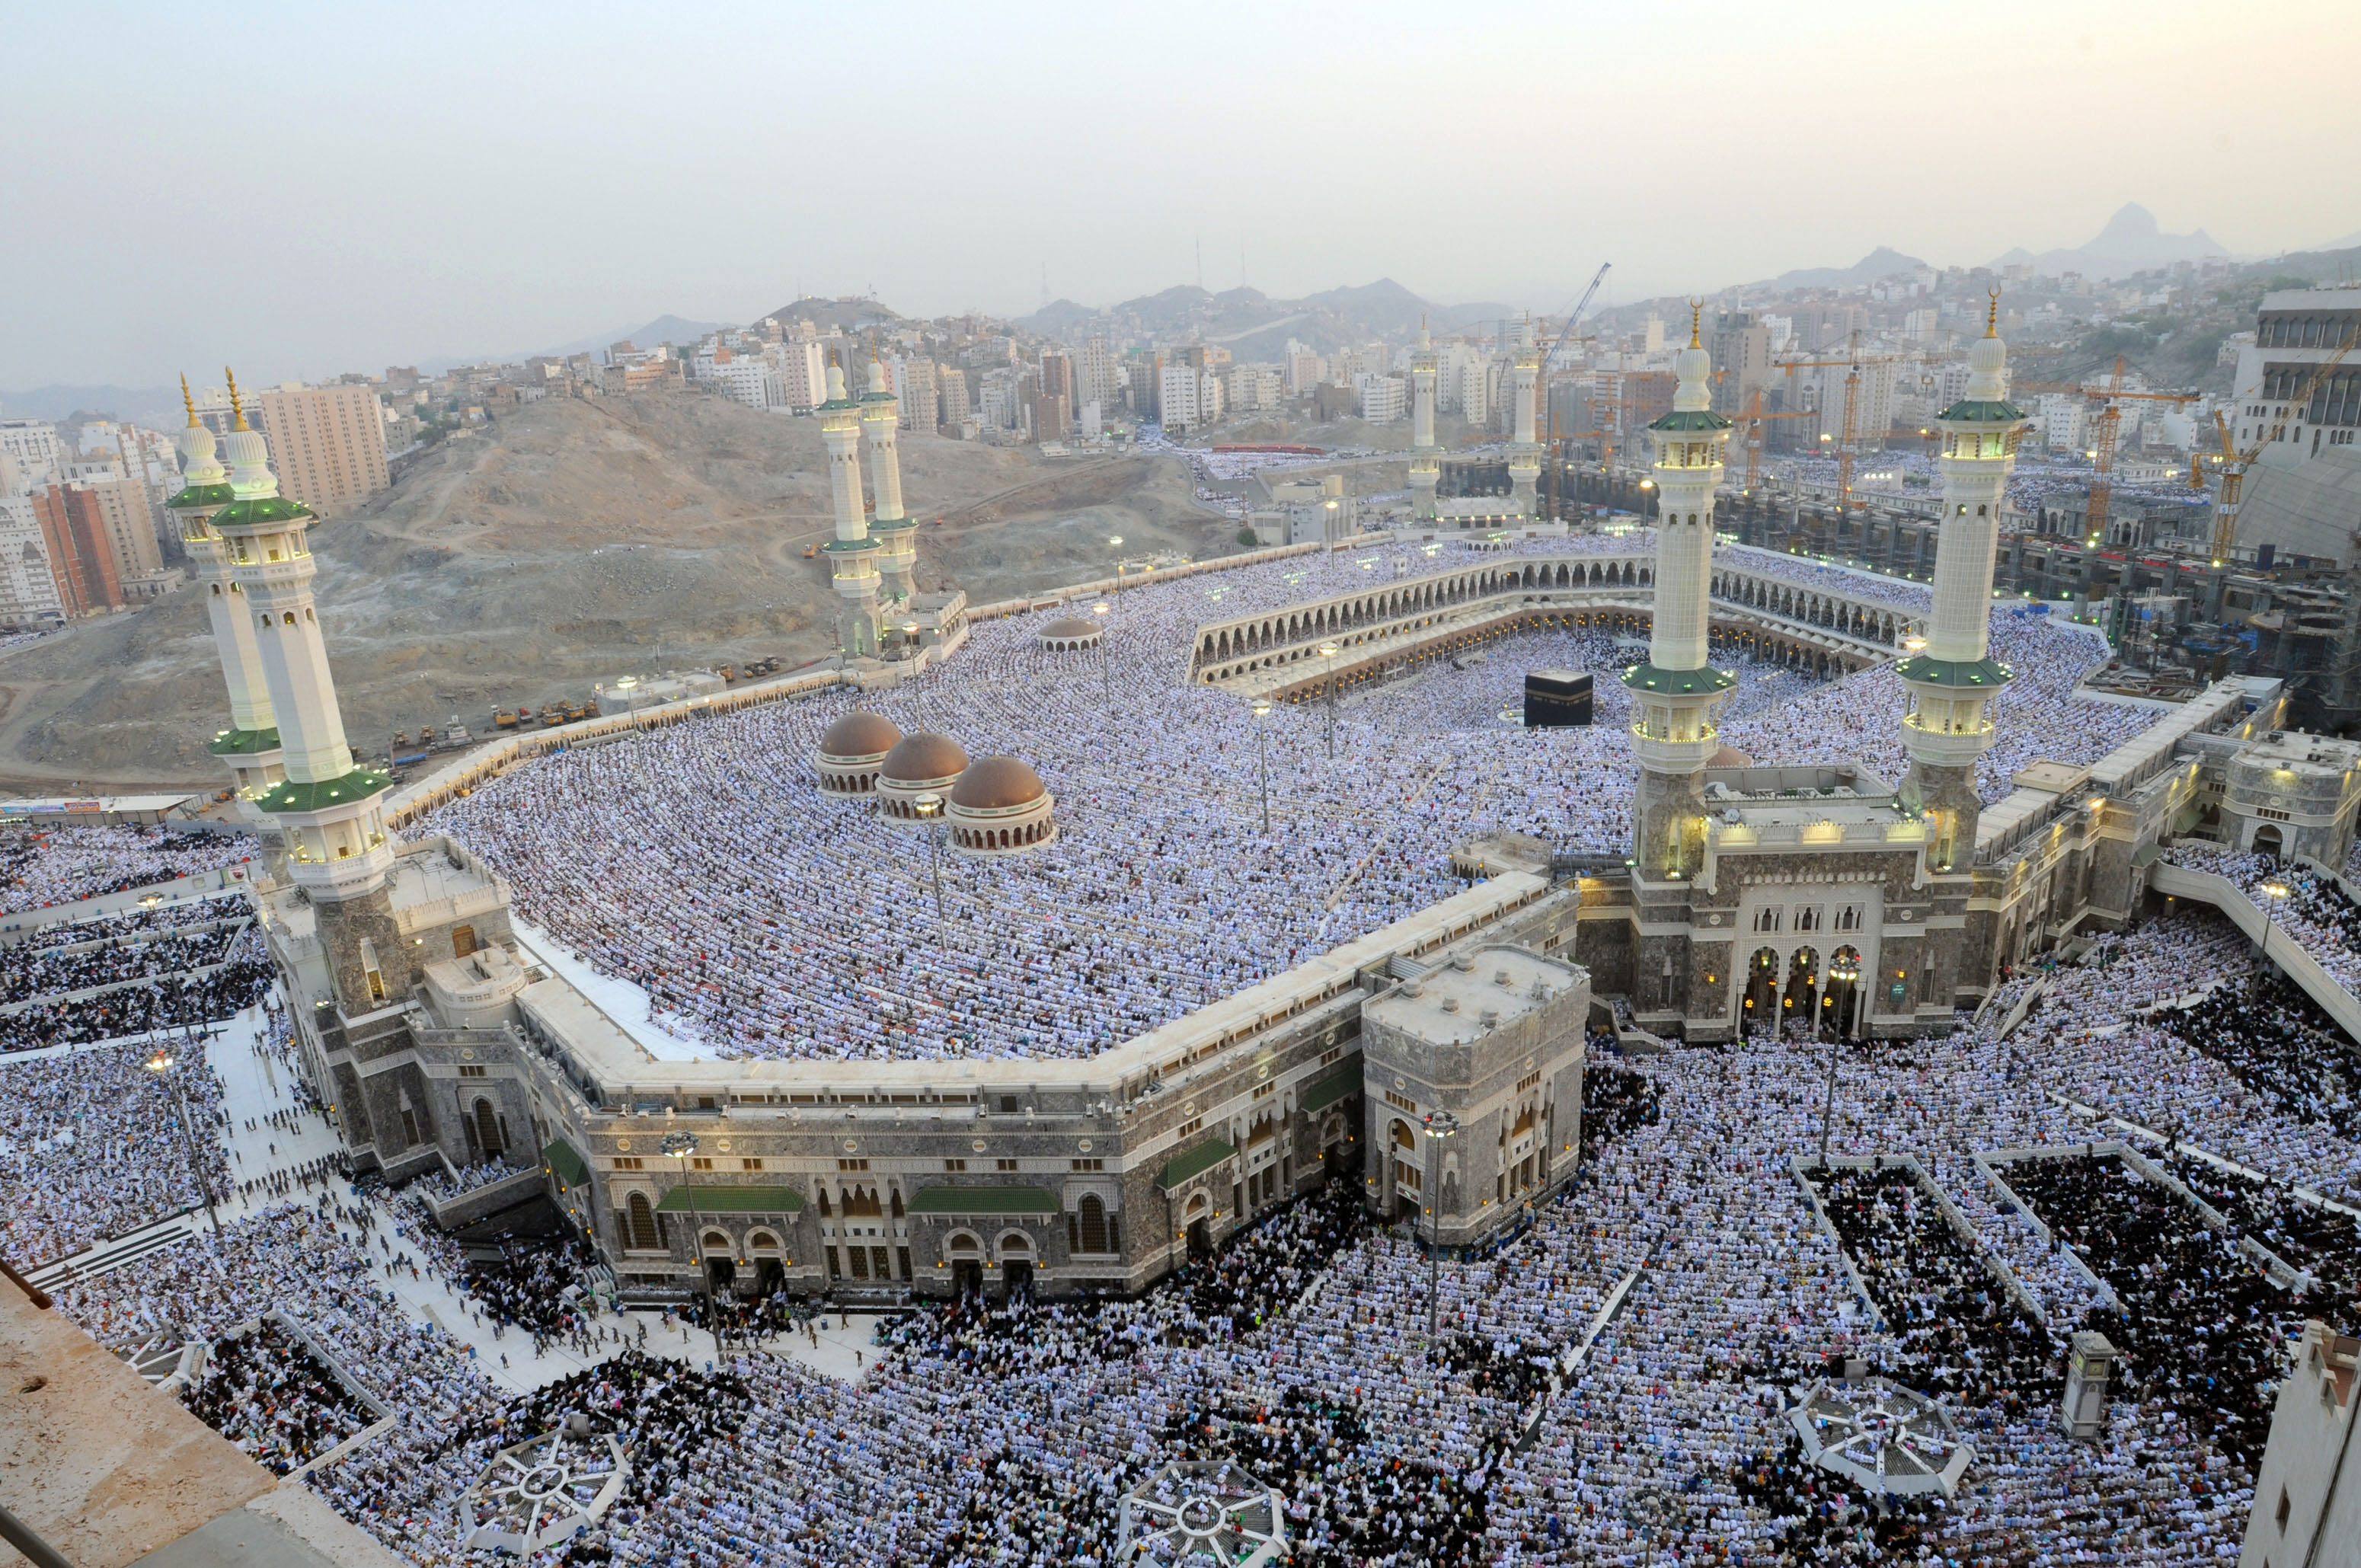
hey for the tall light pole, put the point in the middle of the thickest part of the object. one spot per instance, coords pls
(1105, 613)
(1329, 651)
(1439, 1124)
(2272, 893)
(1828, 1105)
(680, 1146)
(1262, 754)
(1116, 542)
(929, 806)
(161, 1064)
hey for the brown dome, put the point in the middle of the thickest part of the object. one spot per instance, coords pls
(1072, 626)
(859, 734)
(1731, 757)
(996, 784)
(923, 757)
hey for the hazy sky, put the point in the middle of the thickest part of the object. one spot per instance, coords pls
(306, 189)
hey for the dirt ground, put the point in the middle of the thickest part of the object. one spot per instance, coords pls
(573, 541)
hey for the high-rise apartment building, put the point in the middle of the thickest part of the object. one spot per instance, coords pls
(1740, 349)
(1191, 396)
(327, 444)
(1056, 400)
(918, 386)
(803, 371)
(31, 446)
(29, 592)
(100, 536)
(1095, 381)
(950, 386)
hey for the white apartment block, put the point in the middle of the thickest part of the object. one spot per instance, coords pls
(1192, 398)
(327, 443)
(752, 381)
(1000, 402)
(1305, 369)
(29, 591)
(31, 444)
(2064, 421)
(2306, 1509)
(1253, 388)
(1385, 400)
(1097, 377)
(803, 371)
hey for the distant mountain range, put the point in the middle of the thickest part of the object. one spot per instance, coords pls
(1882, 262)
(2130, 243)
(1253, 325)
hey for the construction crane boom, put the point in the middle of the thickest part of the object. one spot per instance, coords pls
(2234, 464)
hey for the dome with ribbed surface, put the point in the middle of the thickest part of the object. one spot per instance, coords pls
(923, 757)
(997, 783)
(859, 734)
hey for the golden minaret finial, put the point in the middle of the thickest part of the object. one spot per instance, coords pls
(1696, 315)
(187, 402)
(1992, 316)
(236, 404)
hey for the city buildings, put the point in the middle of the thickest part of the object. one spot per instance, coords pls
(2296, 331)
(326, 442)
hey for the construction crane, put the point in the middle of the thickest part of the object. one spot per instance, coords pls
(1751, 424)
(1572, 316)
(1564, 337)
(2109, 392)
(1846, 442)
(2234, 464)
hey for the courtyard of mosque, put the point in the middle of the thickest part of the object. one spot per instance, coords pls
(1613, 1382)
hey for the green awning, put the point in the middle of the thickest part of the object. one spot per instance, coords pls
(566, 1162)
(1651, 679)
(1345, 1081)
(734, 1200)
(2146, 855)
(945, 1199)
(288, 796)
(1990, 674)
(1194, 1162)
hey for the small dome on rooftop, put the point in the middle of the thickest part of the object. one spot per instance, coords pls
(924, 757)
(859, 734)
(996, 784)
(1071, 626)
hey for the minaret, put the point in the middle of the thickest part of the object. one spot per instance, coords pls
(1676, 694)
(891, 530)
(1953, 682)
(1425, 456)
(327, 810)
(851, 554)
(250, 746)
(1525, 450)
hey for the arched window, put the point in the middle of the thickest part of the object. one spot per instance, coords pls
(1090, 1222)
(488, 1127)
(643, 1229)
(287, 618)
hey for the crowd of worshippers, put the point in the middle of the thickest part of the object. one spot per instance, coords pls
(241, 977)
(2276, 1041)
(1960, 1333)
(535, 1286)
(1695, 1217)
(2198, 1323)
(41, 867)
(1163, 891)
(2319, 1243)
(268, 1393)
(27, 972)
(91, 1147)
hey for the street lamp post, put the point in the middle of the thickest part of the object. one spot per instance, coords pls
(680, 1146)
(929, 806)
(1107, 677)
(1439, 1124)
(1329, 651)
(1262, 755)
(161, 1064)
(1116, 542)
(2272, 893)
(1828, 1105)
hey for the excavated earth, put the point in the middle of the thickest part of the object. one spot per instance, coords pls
(571, 542)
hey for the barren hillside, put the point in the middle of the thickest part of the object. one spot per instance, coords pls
(573, 541)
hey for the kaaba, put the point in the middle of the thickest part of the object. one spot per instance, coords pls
(1556, 699)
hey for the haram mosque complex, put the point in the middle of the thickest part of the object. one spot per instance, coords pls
(1081, 1124)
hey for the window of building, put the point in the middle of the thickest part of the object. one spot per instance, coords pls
(1004, 1165)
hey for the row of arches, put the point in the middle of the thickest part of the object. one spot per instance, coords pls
(983, 839)
(1794, 992)
(1847, 618)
